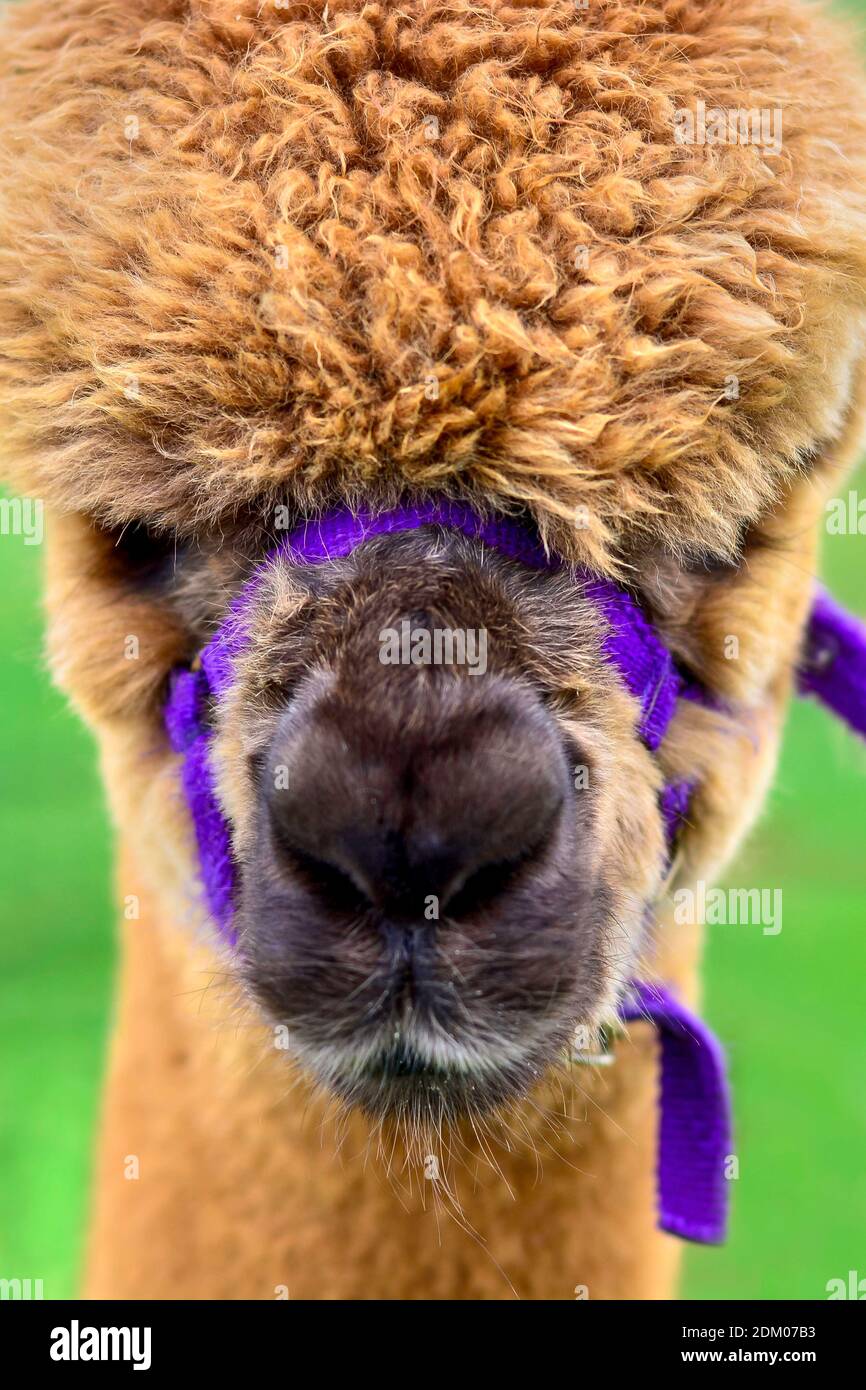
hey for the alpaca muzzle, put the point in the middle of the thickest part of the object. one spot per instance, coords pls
(694, 1127)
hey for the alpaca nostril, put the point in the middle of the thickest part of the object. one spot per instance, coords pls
(419, 879)
(331, 884)
(419, 826)
(415, 878)
(483, 887)
(404, 882)
(398, 873)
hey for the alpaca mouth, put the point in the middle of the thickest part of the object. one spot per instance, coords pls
(402, 1080)
(407, 1079)
(424, 1092)
(404, 1060)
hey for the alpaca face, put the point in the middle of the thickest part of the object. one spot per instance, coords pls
(444, 864)
(426, 761)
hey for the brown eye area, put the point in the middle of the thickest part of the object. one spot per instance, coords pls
(714, 564)
(709, 564)
(143, 555)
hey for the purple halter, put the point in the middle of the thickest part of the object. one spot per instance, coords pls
(694, 1130)
(631, 644)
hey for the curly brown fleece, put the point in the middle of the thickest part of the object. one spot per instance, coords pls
(251, 253)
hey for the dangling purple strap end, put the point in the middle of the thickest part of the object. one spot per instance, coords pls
(694, 1143)
(833, 667)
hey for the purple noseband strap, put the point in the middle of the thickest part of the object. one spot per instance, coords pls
(694, 1130)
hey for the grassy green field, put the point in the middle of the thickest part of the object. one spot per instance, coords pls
(790, 1008)
(55, 947)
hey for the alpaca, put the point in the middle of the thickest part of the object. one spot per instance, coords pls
(581, 292)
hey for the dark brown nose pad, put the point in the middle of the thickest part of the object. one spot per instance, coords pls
(429, 826)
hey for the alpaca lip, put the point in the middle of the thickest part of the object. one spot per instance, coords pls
(400, 1081)
(414, 1073)
(404, 1060)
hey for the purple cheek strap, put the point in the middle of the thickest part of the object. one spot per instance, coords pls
(694, 1128)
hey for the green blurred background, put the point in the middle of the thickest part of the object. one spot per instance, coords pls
(790, 1008)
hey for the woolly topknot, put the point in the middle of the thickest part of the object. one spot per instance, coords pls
(257, 252)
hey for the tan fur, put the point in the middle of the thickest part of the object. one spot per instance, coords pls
(158, 363)
(190, 373)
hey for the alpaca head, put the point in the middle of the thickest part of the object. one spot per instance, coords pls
(259, 260)
(448, 844)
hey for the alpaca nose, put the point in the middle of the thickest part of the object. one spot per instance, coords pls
(432, 813)
(407, 874)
